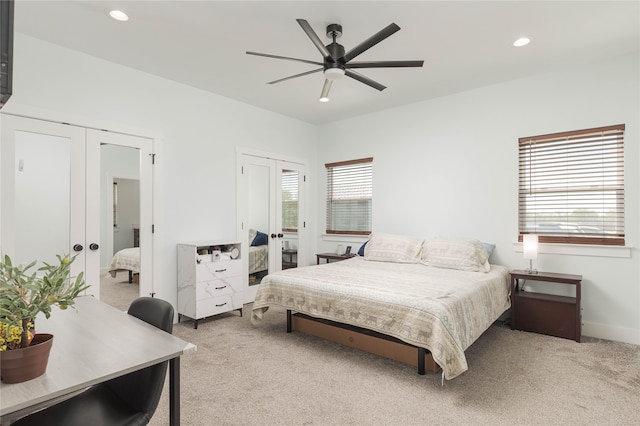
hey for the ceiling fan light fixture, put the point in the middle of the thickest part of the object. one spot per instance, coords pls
(333, 73)
(324, 96)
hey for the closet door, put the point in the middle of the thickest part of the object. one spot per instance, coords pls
(111, 157)
(270, 201)
(257, 219)
(289, 224)
(53, 195)
(43, 191)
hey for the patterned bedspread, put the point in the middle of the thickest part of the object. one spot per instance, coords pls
(442, 310)
(127, 259)
(258, 258)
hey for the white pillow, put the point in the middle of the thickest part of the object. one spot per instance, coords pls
(393, 248)
(461, 254)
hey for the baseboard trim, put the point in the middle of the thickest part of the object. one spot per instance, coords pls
(610, 332)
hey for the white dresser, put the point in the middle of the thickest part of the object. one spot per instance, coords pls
(210, 279)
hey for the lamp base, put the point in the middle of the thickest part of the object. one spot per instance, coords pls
(531, 270)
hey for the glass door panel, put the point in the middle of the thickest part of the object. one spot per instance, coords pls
(289, 206)
(120, 223)
(259, 219)
(122, 219)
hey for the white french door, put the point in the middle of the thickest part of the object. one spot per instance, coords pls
(270, 200)
(53, 194)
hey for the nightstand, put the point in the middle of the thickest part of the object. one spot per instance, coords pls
(289, 258)
(546, 313)
(332, 256)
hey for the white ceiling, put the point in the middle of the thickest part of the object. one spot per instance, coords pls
(465, 45)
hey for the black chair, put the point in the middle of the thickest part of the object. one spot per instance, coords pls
(127, 400)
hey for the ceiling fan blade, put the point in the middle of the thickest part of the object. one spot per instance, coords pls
(316, 40)
(294, 76)
(384, 64)
(266, 55)
(366, 80)
(326, 88)
(371, 41)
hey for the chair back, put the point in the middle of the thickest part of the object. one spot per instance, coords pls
(142, 389)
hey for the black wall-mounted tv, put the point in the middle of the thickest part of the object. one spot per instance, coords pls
(6, 50)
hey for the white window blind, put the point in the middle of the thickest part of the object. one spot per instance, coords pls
(571, 186)
(290, 200)
(349, 196)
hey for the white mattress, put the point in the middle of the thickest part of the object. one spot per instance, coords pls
(125, 259)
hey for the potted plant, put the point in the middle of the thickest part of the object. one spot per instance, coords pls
(23, 295)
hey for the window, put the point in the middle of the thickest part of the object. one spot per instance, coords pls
(349, 197)
(572, 186)
(290, 201)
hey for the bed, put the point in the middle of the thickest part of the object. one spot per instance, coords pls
(258, 252)
(437, 295)
(126, 260)
(258, 259)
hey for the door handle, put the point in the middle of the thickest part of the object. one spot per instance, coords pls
(280, 235)
(78, 247)
(273, 235)
(94, 246)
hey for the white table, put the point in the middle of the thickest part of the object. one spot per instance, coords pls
(93, 343)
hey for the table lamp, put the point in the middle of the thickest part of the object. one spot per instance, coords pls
(530, 250)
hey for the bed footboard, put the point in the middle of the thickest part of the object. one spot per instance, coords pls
(363, 339)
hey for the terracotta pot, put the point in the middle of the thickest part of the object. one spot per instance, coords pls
(20, 365)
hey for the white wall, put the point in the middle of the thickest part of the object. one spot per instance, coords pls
(449, 167)
(442, 167)
(199, 133)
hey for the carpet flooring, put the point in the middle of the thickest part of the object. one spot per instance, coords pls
(247, 374)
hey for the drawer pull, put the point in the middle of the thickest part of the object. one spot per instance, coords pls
(221, 270)
(217, 306)
(220, 288)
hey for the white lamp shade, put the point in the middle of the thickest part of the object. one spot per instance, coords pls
(530, 246)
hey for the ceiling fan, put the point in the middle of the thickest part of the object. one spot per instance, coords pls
(336, 63)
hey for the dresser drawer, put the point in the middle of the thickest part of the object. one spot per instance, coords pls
(214, 306)
(216, 288)
(208, 271)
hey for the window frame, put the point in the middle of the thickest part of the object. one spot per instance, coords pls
(332, 168)
(582, 164)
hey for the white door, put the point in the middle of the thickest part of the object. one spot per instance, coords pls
(270, 201)
(52, 194)
(115, 155)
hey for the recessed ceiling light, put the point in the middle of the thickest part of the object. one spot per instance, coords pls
(522, 41)
(118, 15)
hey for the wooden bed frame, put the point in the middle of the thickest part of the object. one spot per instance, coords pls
(363, 339)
